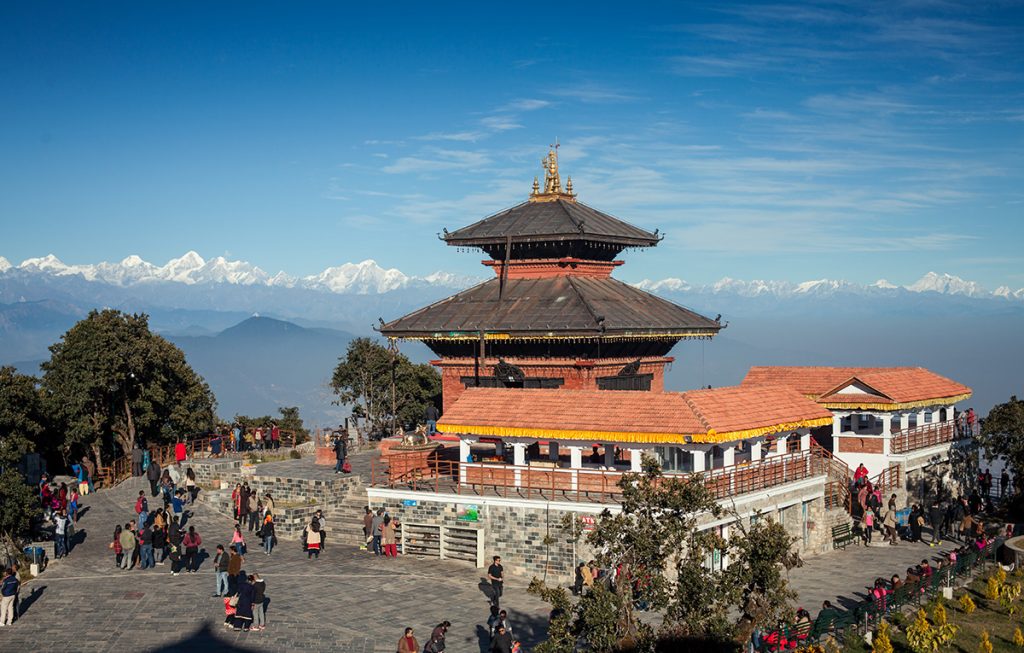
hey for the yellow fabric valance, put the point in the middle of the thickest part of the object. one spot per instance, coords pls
(639, 437)
(896, 406)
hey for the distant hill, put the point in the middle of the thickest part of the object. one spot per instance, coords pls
(262, 363)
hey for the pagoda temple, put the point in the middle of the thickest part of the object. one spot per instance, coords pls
(553, 316)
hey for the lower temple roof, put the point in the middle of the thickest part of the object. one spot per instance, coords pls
(555, 306)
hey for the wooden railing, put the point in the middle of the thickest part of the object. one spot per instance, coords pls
(888, 479)
(837, 487)
(121, 468)
(529, 481)
(925, 435)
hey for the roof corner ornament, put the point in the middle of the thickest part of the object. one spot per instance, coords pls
(552, 181)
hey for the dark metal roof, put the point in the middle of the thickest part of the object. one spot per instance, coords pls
(585, 306)
(553, 220)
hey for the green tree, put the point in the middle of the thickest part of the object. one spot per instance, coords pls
(22, 425)
(1002, 434)
(22, 422)
(363, 380)
(661, 549)
(289, 420)
(111, 382)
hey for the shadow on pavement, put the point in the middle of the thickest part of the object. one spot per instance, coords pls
(204, 639)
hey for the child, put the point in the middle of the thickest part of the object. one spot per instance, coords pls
(238, 540)
(869, 525)
(229, 613)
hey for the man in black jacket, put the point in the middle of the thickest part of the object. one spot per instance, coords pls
(340, 453)
(936, 514)
(153, 475)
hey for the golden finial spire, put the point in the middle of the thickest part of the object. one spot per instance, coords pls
(552, 181)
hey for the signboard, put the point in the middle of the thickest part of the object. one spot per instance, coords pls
(587, 522)
(467, 512)
(409, 502)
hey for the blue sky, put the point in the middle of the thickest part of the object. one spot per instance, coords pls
(789, 142)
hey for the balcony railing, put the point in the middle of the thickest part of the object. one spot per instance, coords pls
(929, 435)
(549, 483)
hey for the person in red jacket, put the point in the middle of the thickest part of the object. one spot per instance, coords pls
(180, 452)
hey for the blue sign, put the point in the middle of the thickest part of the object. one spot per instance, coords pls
(409, 502)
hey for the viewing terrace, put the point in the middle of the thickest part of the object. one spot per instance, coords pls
(442, 472)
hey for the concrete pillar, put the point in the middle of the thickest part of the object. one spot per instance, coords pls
(886, 424)
(518, 459)
(728, 456)
(920, 418)
(837, 424)
(755, 451)
(465, 445)
(950, 413)
(780, 444)
(698, 461)
(635, 456)
(575, 457)
(518, 453)
(904, 421)
(805, 442)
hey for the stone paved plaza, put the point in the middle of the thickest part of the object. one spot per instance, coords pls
(346, 601)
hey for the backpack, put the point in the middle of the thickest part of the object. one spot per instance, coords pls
(140, 505)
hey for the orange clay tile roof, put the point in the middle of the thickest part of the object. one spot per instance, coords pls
(900, 385)
(703, 415)
(743, 408)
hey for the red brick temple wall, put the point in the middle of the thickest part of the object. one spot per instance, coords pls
(578, 374)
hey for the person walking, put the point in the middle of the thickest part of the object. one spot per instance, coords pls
(137, 468)
(322, 521)
(1004, 483)
(146, 548)
(237, 541)
(375, 528)
(889, 523)
(153, 476)
(190, 485)
(340, 453)
(267, 533)
(869, 526)
(502, 641)
(407, 643)
(252, 505)
(367, 528)
(431, 416)
(60, 538)
(8, 594)
(936, 513)
(275, 437)
(388, 542)
(259, 590)
(496, 574)
(268, 504)
(115, 545)
(436, 642)
(180, 452)
(243, 608)
(312, 538)
(192, 542)
(220, 565)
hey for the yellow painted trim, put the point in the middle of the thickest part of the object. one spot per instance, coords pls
(640, 437)
(473, 337)
(896, 406)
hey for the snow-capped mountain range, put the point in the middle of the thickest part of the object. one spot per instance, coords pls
(943, 284)
(367, 277)
(362, 278)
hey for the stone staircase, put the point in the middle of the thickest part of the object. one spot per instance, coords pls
(345, 518)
